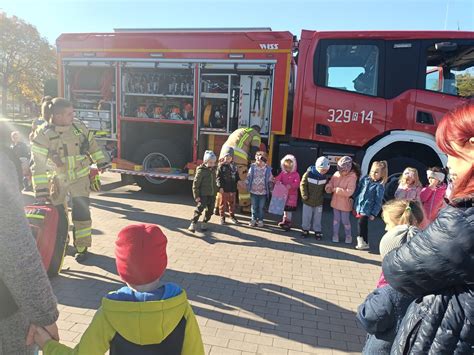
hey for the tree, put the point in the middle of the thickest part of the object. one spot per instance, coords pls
(465, 84)
(26, 59)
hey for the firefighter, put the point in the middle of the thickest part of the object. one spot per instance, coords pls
(62, 150)
(245, 142)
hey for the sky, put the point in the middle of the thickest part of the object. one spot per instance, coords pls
(55, 17)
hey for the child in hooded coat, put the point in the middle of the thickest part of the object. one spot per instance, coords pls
(290, 178)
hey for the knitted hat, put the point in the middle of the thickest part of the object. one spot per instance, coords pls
(208, 155)
(225, 151)
(396, 237)
(344, 164)
(322, 163)
(140, 254)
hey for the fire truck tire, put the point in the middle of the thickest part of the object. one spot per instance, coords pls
(170, 156)
(395, 169)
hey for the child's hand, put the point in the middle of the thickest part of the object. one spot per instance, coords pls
(198, 200)
(304, 197)
(328, 189)
(372, 218)
(42, 337)
(221, 190)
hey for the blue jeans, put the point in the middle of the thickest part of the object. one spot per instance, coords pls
(258, 203)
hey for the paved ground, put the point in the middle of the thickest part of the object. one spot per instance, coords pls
(255, 291)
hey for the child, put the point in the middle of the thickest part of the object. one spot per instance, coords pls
(342, 185)
(369, 199)
(409, 186)
(383, 310)
(290, 178)
(432, 196)
(142, 317)
(227, 178)
(204, 190)
(312, 192)
(259, 184)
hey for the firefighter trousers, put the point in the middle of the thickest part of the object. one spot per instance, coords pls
(78, 191)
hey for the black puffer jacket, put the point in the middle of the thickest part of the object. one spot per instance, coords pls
(437, 266)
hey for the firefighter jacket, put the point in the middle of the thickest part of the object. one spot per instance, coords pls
(245, 142)
(63, 151)
(132, 322)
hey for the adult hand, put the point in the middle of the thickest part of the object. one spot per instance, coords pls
(52, 330)
(198, 200)
(41, 337)
(221, 190)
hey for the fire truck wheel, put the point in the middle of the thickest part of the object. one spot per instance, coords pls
(159, 154)
(395, 169)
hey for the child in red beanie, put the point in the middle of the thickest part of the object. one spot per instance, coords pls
(143, 317)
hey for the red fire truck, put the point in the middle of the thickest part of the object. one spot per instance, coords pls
(165, 96)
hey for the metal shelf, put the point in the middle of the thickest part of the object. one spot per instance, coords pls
(211, 95)
(160, 95)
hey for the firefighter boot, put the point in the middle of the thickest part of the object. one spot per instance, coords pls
(81, 254)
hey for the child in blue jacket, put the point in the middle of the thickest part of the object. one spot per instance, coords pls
(369, 199)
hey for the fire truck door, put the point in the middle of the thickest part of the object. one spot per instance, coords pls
(446, 68)
(350, 108)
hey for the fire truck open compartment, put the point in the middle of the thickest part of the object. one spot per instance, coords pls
(91, 88)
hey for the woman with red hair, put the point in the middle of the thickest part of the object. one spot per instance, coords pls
(437, 265)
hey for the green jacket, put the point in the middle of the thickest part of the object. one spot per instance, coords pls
(204, 183)
(141, 323)
(312, 187)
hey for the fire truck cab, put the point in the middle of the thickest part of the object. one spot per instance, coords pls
(165, 96)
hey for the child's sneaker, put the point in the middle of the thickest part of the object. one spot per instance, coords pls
(252, 223)
(222, 221)
(318, 235)
(260, 224)
(361, 244)
(304, 233)
(204, 226)
(233, 220)
(348, 239)
(192, 227)
(335, 239)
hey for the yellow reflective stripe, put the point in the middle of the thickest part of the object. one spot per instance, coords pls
(97, 155)
(242, 140)
(38, 150)
(82, 233)
(240, 154)
(36, 216)
(90, 136)
(83, 172)
(244, 196)
(256, 138)
(40, 179)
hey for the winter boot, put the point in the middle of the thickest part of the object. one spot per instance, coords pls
(260, 224)
(192, 227)
(361, 244)
(318, 235)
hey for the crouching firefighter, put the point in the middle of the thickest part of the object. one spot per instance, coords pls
(62, 150)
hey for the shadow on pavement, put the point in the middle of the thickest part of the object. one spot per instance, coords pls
(304, 247)
(262, 307)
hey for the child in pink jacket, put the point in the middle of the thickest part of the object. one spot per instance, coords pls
(291, 179)
(342, 186)
(432, 196)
